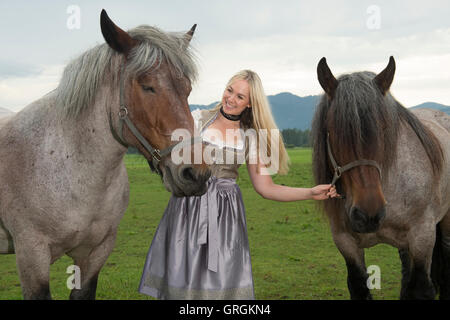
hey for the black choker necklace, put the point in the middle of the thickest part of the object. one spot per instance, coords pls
(232, 117)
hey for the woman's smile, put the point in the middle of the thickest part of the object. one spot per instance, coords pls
(229, 106)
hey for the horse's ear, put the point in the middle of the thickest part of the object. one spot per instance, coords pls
(384, 78)
(116, 38)
(326, 78)
(188, 36)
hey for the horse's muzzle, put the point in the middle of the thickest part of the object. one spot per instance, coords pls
(361, 222)
(194, 181)
(185, 180)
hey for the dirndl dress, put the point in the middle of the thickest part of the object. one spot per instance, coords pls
(200, 249)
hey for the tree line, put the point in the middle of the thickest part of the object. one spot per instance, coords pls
(296, 138)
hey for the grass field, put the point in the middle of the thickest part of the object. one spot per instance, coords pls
(293, 254)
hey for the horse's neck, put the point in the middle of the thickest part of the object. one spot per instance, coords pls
(91, 136)
(84, 143)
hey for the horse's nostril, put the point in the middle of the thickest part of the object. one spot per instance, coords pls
(363, 223)
(188, 174)
(358, 216)
(380, 215)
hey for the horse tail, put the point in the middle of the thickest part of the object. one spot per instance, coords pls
(437, 262)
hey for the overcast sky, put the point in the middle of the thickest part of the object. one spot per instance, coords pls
(281, 40)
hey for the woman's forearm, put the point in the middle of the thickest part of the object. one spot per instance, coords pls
(283, 193)
(264, 185)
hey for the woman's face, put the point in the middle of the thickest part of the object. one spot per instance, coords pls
(236, 97)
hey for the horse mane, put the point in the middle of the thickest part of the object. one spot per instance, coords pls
(364, 117)
(83, 75)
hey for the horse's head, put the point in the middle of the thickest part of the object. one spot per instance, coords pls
(155, 82)
(356, 122)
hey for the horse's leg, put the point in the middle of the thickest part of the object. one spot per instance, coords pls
(444, 275)
(357, 277)
(356, 268)
(406, 269)
(33, 263)
(421, 245)
(90, 266)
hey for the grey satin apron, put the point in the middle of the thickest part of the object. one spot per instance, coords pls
(200, 249)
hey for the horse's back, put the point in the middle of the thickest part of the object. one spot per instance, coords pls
(433, 115)
(439, 124)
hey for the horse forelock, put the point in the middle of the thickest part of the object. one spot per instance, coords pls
(364, 120)
(156, 46)
(83, 75)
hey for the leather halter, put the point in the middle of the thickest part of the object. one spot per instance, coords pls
(155, 153)
(338, 170)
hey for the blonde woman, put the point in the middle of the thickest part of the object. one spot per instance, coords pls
(200, 249)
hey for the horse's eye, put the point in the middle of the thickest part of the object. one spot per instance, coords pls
(148, 88)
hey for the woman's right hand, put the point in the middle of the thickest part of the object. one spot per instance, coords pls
(323, 192)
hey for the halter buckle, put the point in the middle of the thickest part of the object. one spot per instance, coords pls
(338, 171)
(123, 113)
(157, 155)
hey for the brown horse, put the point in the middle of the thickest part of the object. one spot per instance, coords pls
(64, 183)
(392, 165)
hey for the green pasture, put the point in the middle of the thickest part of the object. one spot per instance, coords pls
(293, 254)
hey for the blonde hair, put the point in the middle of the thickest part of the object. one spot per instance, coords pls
(261, 116)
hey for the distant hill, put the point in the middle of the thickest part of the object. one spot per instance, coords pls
(294, 112)
(291, 111)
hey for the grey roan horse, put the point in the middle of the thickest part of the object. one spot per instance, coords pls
(397, 186)
(64, 185)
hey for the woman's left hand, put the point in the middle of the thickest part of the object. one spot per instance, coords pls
(323, 192)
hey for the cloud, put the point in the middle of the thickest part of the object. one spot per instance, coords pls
(282, 41)
(16, 92)
(288, 63)
(11, 69)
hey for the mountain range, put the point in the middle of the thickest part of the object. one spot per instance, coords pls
(291, 111)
